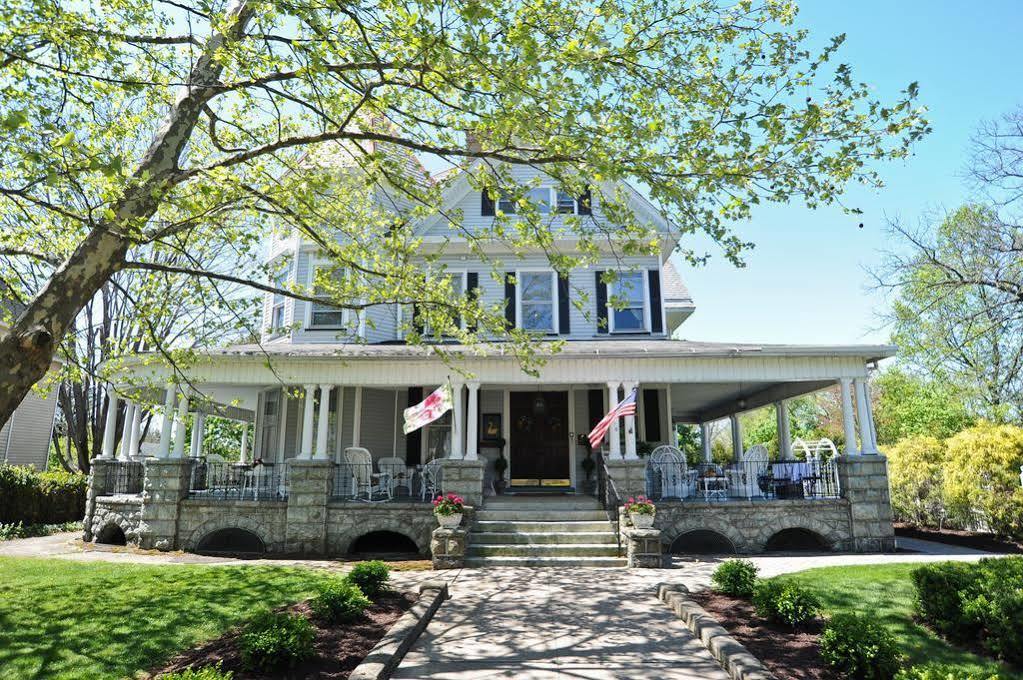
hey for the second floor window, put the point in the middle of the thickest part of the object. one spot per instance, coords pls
(326, 278)
(277, 306)
(630, 292)
(537, 301)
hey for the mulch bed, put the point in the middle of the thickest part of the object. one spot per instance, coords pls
(966, 539)
(789, 654)
(339, 649)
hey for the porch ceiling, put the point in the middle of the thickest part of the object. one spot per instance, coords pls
(702, 402)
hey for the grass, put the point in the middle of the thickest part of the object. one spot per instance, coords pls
(62, 619)
(886, 593)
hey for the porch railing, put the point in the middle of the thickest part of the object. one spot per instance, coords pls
(609, 499)
(123, 477)
(234, 481)
(787, 480)
(360, 481)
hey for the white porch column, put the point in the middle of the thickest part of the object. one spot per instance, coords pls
(179, 426)
(630, 426)
(457, 422)
(472, 439)
(848, 421)
(168, 421)
(708, 455)
(243, 454)
(110, 428)
(612, 433)
(357, 417)
(870, 415)
(863, 408)
(198, 433)
(307, 423)
(129, 418)
(781, 409)
(736, 437)
(321, 426)
(136, 433)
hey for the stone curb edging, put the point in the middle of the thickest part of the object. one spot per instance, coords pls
(733, 657)
(384, 658)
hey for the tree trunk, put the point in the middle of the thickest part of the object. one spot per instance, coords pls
(28, 347)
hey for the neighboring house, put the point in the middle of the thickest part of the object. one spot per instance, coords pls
(25, 437)
(336, 380)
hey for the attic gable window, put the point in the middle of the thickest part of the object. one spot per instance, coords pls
(547, 200)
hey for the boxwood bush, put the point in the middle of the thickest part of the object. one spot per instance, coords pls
(784, 602)
(340, 601)
(856, 647)
(32, 497)
(735, 577)
(276, 640)
(371, 577)
(979, 603)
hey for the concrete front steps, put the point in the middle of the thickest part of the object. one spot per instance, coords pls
(542, 531)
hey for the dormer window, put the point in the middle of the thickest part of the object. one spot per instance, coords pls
(326, 279)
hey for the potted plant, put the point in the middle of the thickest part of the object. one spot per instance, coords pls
(448, 510)
(641, 511)
(500, 465)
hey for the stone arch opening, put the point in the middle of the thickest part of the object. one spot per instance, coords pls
(112, 534)
(797, 539)
(383, 543)
(702, 542)
(231, 541)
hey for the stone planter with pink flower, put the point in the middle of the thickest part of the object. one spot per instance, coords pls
(641, 512)
(448, 510)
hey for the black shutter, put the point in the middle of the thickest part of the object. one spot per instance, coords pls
(601, 303)
(655, 301)
(472, 284)
(486, 204)
(509, 299)
(595, 399)
(564, 324)
(652, 415)
(417, 321)
(585, 201)
(414, 439)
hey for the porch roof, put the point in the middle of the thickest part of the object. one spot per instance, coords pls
(587, 349)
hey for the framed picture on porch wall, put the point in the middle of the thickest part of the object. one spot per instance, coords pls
(490, 427)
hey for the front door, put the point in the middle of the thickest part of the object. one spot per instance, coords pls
(539, 439)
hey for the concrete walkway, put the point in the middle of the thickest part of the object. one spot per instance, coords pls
(510, 622)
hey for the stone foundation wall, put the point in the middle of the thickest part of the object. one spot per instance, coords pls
(200, 517)
(750, 524)
(348, 521)
(864, 482)
(123, 511)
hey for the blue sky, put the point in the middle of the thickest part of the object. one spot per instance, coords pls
(805, 281)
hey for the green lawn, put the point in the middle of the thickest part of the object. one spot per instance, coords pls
(61, 619)
(886, 591)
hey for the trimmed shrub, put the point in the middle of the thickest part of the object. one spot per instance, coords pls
(914, 468)
(371, 577)
(979, 603)
(735, 577)
(19, 530)
(276, 639)
(941, 672)
(981, 474)
(204, 673)
(340, 601)
(786, 603)
(859, 648)
(32, 497)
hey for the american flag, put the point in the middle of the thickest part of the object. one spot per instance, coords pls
(627, 407)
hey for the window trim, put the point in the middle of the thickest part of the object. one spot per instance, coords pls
(611, 309)
(555, 300)
(279, 281)
(315, 263)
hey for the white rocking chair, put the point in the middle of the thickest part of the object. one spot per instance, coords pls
(670, 463)
(431, 477)
(358, 463)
